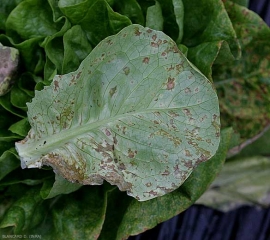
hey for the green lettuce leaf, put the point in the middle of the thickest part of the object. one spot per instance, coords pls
(96, 18)
(135, 113)
(129, 8)
(27, 212)
(52, 188)
(8, 162)
(76, 48)
(78, 216)
(20, 24)
(209, 35)
(21, 127)
(5, 9)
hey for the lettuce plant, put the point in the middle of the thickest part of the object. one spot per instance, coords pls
(130, 92)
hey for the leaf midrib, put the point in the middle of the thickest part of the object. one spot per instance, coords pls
(36, 148)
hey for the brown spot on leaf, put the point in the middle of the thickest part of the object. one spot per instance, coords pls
(173, 114)
(156, 44)
(203, 118)
(73, 81)
(179, 67)
(187, 112)
(124, 130)
(202, 158)
(187, 153)
(63, 167)
(177, 141)
(78, 75)
(165, 173)
(216, 125)
(109, 42)
(170, 68)
(170, 83)
(153, 193)
(175, 49)
(132, 154)
(192, 143)
(104, 150)
(113, 91)
(122, 166)
(146, 60)
(187, 90)
(188, 164)
(137, 32)
(126, 70)
(154, 37)
(115, 178)
(107, 132)
(56, 85)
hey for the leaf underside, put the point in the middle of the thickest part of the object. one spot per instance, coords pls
(135, 113)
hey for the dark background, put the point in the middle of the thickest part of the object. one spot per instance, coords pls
(203, 223)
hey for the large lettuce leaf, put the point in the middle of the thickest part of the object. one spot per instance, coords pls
(135, 113)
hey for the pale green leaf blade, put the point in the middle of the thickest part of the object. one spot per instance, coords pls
(135, 113)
